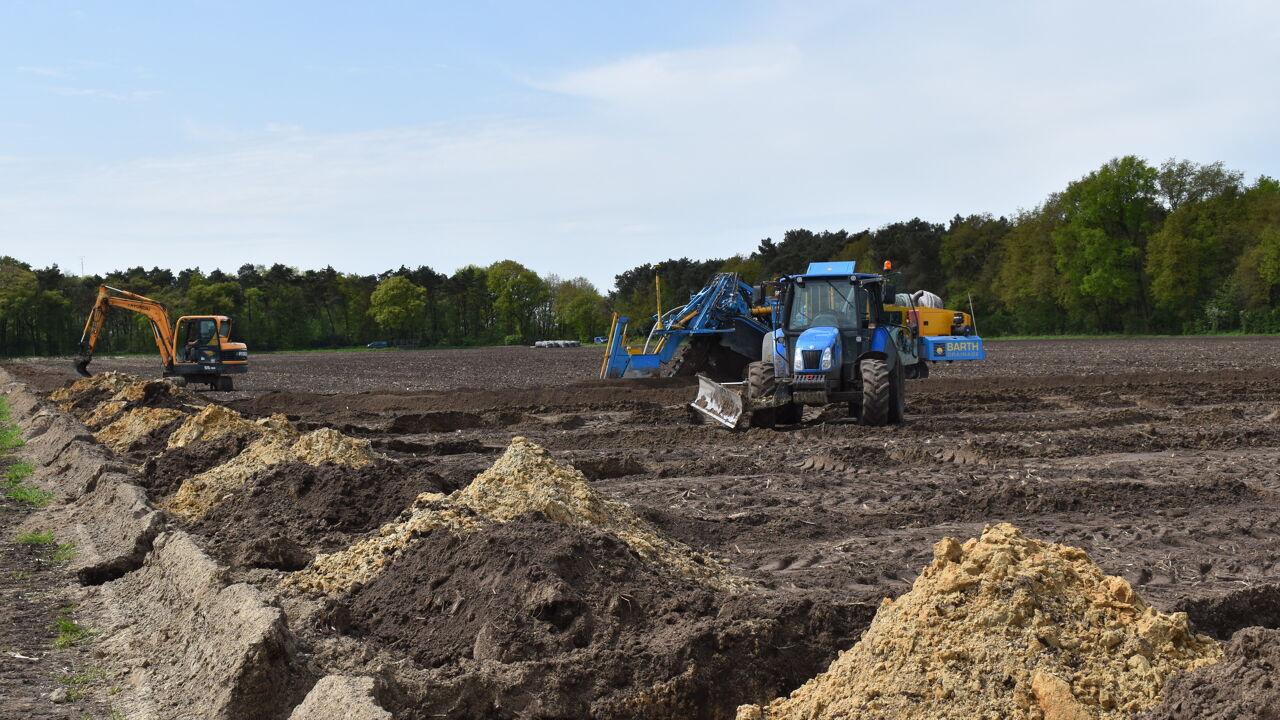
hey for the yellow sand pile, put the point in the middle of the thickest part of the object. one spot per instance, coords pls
(278, 444)
(1003, 627)
(213, 422)
(124, 389)
(112, 381)
(135, 426)
(525, 479)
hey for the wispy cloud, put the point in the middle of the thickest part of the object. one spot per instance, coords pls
(41, 71)
(107, 94)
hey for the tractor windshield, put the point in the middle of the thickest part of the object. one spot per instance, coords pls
(834, 302)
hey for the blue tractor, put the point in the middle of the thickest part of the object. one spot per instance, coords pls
(837, 337)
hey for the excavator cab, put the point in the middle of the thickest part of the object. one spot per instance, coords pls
(199, 338)
(203, 351)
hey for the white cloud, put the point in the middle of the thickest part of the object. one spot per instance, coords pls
(107, 94)
(831, 120)
(41, 71)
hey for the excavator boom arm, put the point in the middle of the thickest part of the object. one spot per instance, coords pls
(109, 297)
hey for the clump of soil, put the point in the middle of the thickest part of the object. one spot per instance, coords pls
(334, 572)
(164, 473)
(1222, 615)
(104, 398)
(196, 496)
(110, 382)
(525, 479)
(596, 630)
(315, 507)
(1004, 626)
(1242, 687)
(214, 422)
(137, 427)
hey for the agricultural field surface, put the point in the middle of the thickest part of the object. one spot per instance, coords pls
(494, 532)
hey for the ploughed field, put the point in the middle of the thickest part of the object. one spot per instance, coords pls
(1160, 458)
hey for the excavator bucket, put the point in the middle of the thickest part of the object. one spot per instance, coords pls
(718, 402)
(82, 366)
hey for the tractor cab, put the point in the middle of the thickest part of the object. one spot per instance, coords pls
(834, 318)
(203, 351)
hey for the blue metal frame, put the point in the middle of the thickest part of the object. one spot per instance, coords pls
(713, 310)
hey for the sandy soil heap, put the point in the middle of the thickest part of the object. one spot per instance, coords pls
(211, 423)
(525, 479)
(276, 445)
(1004, 627)
(157, 414)
(112, 382)
(135, 427)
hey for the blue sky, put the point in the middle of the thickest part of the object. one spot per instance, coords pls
(586, 138)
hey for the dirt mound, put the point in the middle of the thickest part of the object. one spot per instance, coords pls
(164, 473)
(104, 398)
(1242, 687)
(214, 422)
(525, 479)
(318, 508)
(199, 494)
(139, 427)
(1004, 626)
(339, 571)
(598, 631)
(1222, 615)
(105, 382)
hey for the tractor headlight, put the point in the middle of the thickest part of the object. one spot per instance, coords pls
(826, 359)
(799, 360)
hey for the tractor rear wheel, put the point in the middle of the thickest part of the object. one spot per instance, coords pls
(897, 395)
(876, 392)
(225, 383)
(762, 384)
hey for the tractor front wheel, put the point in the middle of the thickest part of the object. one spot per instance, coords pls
(876, 392)
(884, 393)
(761, 384)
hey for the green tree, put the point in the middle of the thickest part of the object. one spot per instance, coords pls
(1027, 282)
(397, 304)
(517, 293)
(1100, 248)
(971, 253)
(1182, 181)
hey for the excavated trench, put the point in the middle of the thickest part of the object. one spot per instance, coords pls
(304, 552)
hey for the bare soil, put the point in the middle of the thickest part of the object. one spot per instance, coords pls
(37, 679)
(1160, 457)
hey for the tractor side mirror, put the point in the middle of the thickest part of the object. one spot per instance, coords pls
(757, 294)
(889, 291)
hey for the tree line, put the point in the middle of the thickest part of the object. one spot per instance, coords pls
(42, 311)
(1129, 248)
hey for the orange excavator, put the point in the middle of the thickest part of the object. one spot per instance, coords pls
(197, 348)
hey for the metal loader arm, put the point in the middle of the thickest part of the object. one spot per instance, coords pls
(109, 297)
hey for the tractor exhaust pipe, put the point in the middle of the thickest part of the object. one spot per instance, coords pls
(81, 365)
